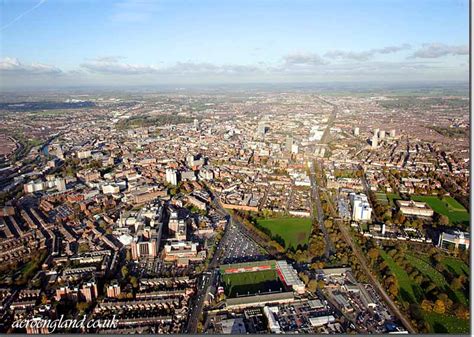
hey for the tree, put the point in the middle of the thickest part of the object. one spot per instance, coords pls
(83, 247)
(134, 282)
(439, 267)
(124, 272)
(415, 312)
(321, 284)
(373, 254)
(462, 312)
(439, 307)
(443, 220)
(437, 257)
(392, 252)
(200, 327)
(266, 213)
(304, 278)
(312, 285)
(457, 283)
(431, 285)
(446, 300)
(419, 279)
(427, 305)
(82, 306)
(393, 290)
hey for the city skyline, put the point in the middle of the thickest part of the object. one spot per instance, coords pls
(80, 43)
(235, 167)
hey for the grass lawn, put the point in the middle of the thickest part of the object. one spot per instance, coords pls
(294, 231)
(428, 270)
(454, 204)
(406, 286)
(425, 267)
(455, 265)
(381, 198)
(251, 282)
(392, 197)
(446, 206)
(447, 324)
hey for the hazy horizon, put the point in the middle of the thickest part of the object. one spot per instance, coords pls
(51, 43)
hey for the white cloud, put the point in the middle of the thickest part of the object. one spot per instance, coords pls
(111, 65)
(10, 65)
(365, 55)
(392, 49)
(294, 67)
(182, 68)
(303, 59)
(351, 55)
(435, 50)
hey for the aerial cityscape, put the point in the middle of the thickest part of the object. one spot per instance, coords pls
(279, 190)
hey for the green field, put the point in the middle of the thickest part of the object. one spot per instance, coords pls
(293, 231)
(425, 267)
(381, 198)
(251, 282)
(452, 264)
(407, 288)
(446, 206)
(387, 198)
(392, 197)
(447, 324)
(455, 265)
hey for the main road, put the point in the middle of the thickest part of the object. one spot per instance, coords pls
(206, 280)
(315, 199)
(210, 277)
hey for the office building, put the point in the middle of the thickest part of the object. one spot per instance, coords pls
(171, 177)
(361, 210)
(375, 141)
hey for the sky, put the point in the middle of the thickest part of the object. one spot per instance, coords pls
(63, 43)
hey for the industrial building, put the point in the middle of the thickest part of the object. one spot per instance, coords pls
(455, 239)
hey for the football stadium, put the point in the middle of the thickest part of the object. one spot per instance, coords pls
(244, 283)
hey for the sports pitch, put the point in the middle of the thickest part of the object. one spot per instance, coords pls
(447, 206)
(294, 231)
(245, 283)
